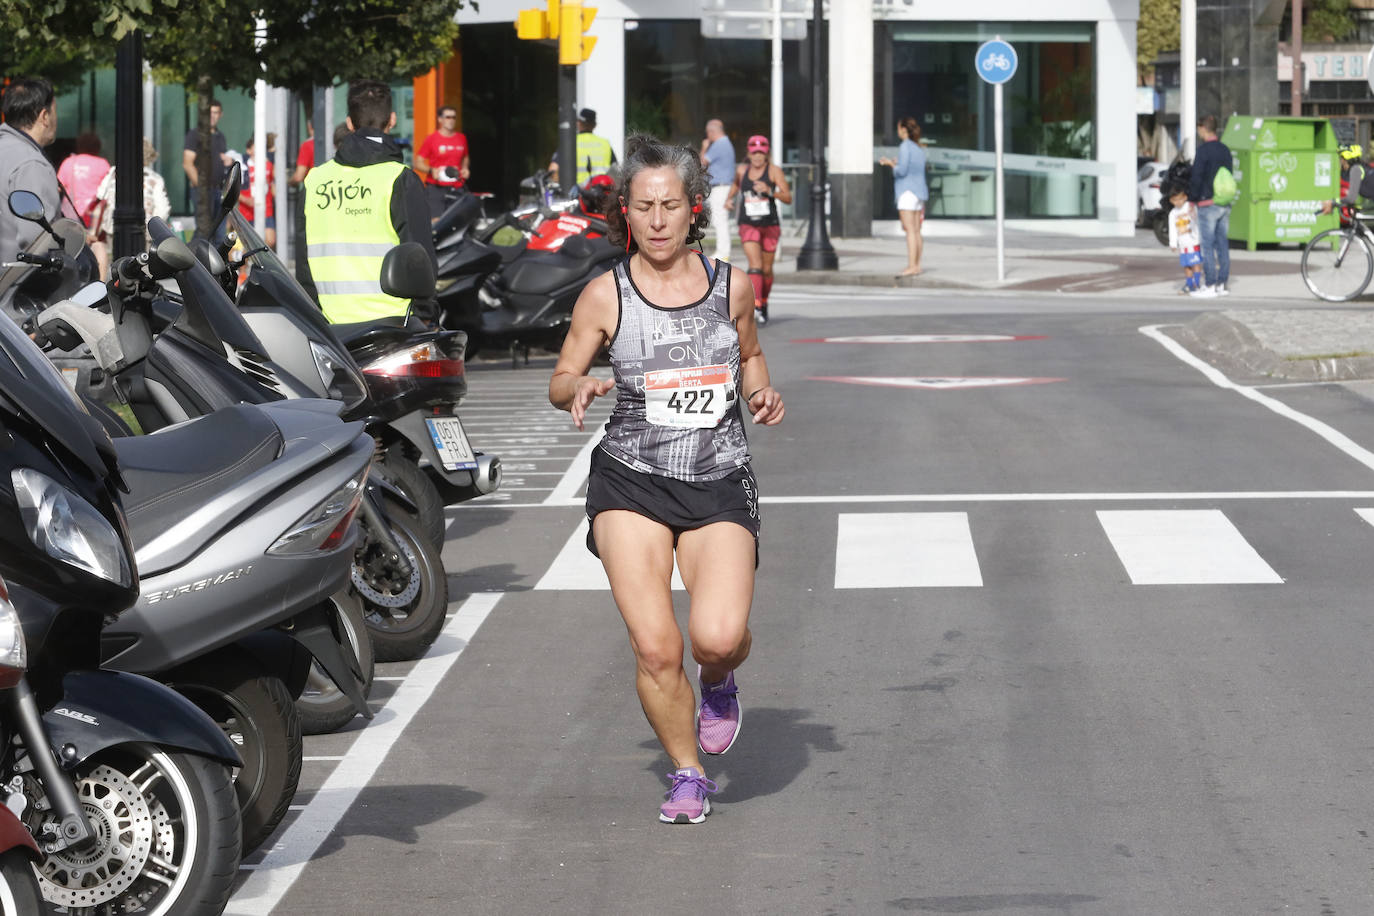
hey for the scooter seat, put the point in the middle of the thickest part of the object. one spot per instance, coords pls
(173, 472)
(356, 335)
(538, 272)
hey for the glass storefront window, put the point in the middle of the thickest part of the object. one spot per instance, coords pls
(925, 70)
(676, 80)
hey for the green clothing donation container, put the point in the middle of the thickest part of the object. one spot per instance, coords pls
(1285, 168)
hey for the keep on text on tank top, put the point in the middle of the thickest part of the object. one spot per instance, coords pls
(677, 378)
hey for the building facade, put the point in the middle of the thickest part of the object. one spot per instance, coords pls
(1070, 109)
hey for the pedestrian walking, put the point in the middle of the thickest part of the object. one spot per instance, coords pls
(909, 187)
(155, 203)
(718, 158)
(760, 184)
(672, 476)
(1214, 219)
(1185, 241)
(81, 173)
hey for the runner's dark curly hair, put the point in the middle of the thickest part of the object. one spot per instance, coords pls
(645, 152)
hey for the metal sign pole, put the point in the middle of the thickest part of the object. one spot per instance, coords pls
(1001, 186)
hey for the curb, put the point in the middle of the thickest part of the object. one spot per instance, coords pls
(1220, 339)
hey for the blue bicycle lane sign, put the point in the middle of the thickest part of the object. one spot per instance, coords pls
(995, 61)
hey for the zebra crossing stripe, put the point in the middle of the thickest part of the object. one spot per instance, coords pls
(905, 550)
(576, 569)
(1183, 547)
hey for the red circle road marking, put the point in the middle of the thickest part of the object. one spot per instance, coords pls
(939, 383)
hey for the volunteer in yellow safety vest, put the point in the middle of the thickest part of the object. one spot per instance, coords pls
(595, 156)
(358, 206)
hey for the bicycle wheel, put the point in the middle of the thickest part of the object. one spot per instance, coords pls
(1337, 265)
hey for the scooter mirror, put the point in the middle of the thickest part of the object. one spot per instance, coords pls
(229, 197)
(208, 256)
(71, 234)
(172, 254)
(27, 206)
(407, 272)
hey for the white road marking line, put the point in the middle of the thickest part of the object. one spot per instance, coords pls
(324, 757)
(576, 569)
(905, 550)
(273, 877)
(851, 499)
(1336, 438)
(1184, 547)
(566, 489)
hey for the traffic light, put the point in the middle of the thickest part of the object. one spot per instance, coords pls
(537, 25)
(574, 46)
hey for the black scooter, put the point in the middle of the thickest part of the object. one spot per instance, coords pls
(124, 784)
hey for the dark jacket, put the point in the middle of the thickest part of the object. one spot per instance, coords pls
(409, 208)
(1211, 156)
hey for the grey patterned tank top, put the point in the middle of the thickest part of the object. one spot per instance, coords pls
(677, 377)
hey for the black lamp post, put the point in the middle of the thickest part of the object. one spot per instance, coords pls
(817, 253)
(128, 212)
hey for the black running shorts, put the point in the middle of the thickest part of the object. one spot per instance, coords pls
(681, 505)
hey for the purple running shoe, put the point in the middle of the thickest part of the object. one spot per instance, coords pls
(719, 716)
(686, 798)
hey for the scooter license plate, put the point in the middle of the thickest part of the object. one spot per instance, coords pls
(455, 454)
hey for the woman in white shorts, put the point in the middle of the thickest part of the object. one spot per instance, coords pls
(909, 187)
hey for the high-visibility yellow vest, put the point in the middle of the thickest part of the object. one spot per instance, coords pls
(348, 232)
(593, 156)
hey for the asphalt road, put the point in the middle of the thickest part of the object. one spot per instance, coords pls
(1093, 641)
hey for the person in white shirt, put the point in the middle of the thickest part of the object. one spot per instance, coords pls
(1185, 240)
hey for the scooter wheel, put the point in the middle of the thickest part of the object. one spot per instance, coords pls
(258, 714)
(404, 613)
(416, 485)
(323, 707)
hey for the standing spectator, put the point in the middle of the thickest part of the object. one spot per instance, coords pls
(155, 203)
(909, 186)
(1214, 220)
(305, 156)
(718, 157)
(219, 155)
(246, 203)
(358, 205)
(1183, 238)
(595, 155)
(81, 172)
(442, 160)
(30, 108)
(762, 184)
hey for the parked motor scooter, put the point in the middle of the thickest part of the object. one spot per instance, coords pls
(219, 596)
(122, 782)
(206, 358)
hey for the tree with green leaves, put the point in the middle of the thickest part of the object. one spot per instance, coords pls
(1327, 20)
(1156, 32)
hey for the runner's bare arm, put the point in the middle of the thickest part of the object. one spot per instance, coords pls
(782, 190)
(593, 323)
(761, 397)
(734, 187)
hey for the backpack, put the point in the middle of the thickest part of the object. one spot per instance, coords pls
(1224, 190)
(1367, 182)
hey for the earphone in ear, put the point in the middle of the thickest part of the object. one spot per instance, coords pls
(622, 206)
(696, 208)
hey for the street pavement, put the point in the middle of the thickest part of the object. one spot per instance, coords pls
(1051, 618)
(1270, 326)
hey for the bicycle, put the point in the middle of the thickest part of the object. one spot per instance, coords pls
(1338, 264)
